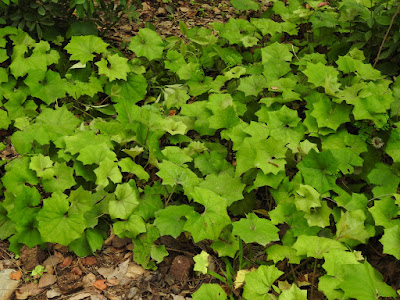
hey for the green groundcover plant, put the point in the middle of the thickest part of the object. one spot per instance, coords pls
(226, 138)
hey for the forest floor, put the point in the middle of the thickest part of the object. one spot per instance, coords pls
(111, 273)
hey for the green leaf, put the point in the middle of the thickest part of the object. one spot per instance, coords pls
(294, 293)
(128, 165)
(255, 230)
(391, 241)
(42, 165)
(158, 253)
(386, 182)
(82, 48)
(170, 220)
(335, 259)
(210, 223)
(125, 203)
(133, 89)
(47, 86)
(210, 291)
(130, 228)
(176, 155)
(226, 245)
(143, 246)
(324, 76)
(56, 223)
(224, 111)
(91, 240)
(362, 281)
(201, 262)
(315, 246)
(245, 4)
(175, 95)
(319, 170)
(284, 125)
(224, 185)
(147, 43)
(329, 114)
(40, 58)
(62, 179)
(234, 30)
(278, 253)
(17, 174)
(4, 120)
(267, 155)
(393, 144)
(385, 212)
(252, 85)
(173, 127)
(114, 67)
(107, 170)
(351, 226)
(259, 282)
(77, 88)
(172, 174)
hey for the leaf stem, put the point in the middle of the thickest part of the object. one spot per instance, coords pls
(170, 195)
(313, 278)
(386, 35)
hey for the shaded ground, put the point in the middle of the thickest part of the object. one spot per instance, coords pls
(111, 273)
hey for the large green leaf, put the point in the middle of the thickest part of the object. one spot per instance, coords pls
(210, 223)
(255, 230)
(362, 281)
(56, 223)
(319, 170)
(147, 43)
(259, 282)
(83, 48)
(125, 203)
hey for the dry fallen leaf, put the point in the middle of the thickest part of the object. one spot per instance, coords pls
(27, 290)
(16, 275)
(67, 261)
(47, 280)
(76, 271)
(88, 280)
(89, 261)
(100, 284)
(134, 271)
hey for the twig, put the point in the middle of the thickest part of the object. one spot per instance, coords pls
(386, 35)
(180, 251)
(286, 275)
(377, 197)
(313, 278)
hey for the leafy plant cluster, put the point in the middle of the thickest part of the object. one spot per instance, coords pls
(235, 139)
(51, 18)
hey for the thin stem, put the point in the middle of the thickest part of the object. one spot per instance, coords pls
(377, 197)
(313, 279)
(386, 35)
(170, 195)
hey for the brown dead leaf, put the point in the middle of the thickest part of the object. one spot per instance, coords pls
(100, 284)
(80, 296)
(53, 260)
(134, 271)
(67, 261)
(112, 281)
(76, 271)
(28, 290)
(88, 280)
(16, 275)
(55, 292)
(47, 280)
(89, 261)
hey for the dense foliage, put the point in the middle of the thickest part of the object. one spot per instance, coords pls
(276, 132)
